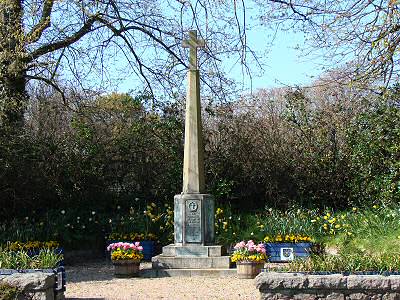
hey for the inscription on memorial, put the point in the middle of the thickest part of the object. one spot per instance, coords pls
(193, 221)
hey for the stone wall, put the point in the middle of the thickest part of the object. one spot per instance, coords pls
(312, 287)
(39, 286)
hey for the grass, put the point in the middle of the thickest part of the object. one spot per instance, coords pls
(372, 230)
(355, 262)
(20, 260)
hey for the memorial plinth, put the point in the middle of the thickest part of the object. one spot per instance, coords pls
(194, 238)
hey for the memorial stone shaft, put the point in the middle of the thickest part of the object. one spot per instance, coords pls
(193, 162)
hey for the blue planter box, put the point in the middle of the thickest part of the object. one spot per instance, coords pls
(284, 252)
(59, 271)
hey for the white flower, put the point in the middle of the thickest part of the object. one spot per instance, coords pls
(78, 218)
(26, 218)
(83, 226)
(251, 233)
(136, 199)
(118, 207)
(90, 219)
(110, 221)
(63, 212)
(93, 213)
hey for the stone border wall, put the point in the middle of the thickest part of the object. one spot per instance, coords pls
(37, 285)
(287, 286)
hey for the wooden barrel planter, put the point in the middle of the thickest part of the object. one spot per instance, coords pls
(126, 268)
(248, 269)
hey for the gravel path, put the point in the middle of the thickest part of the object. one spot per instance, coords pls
(95, 281)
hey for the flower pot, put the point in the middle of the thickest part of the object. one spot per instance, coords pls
(148, 249)
(248, 269)
(126, 268)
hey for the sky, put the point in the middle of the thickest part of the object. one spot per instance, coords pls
(284, 65)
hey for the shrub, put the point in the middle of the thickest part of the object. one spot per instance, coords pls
(374, 139)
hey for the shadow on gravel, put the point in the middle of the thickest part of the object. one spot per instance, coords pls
(85, 298)
(100, 270)
(89, 271)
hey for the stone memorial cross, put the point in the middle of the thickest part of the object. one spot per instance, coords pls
(194, 219)
(193, 162)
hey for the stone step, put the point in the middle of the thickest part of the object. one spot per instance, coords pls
(190, 262)
(155, 273)
(193, 250)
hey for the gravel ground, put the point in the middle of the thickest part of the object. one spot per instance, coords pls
(95, 281)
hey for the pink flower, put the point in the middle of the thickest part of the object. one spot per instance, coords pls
(240, 245)
(237, 246)
(140, 248)
(137, 244)
(251, 246)
(260, 249)
(250, 242)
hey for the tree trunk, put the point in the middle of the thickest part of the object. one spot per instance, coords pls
(13, 97)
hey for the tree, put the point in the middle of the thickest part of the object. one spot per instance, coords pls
(79, 40)
(365, 34)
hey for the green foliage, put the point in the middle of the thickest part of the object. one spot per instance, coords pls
(101, 156)
(233, 227)
(277, 150)
(150, 222)
(374, 138)
(20, 260)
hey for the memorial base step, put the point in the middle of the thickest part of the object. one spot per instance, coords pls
(156, 273)
(190, 262)
(193, 250)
